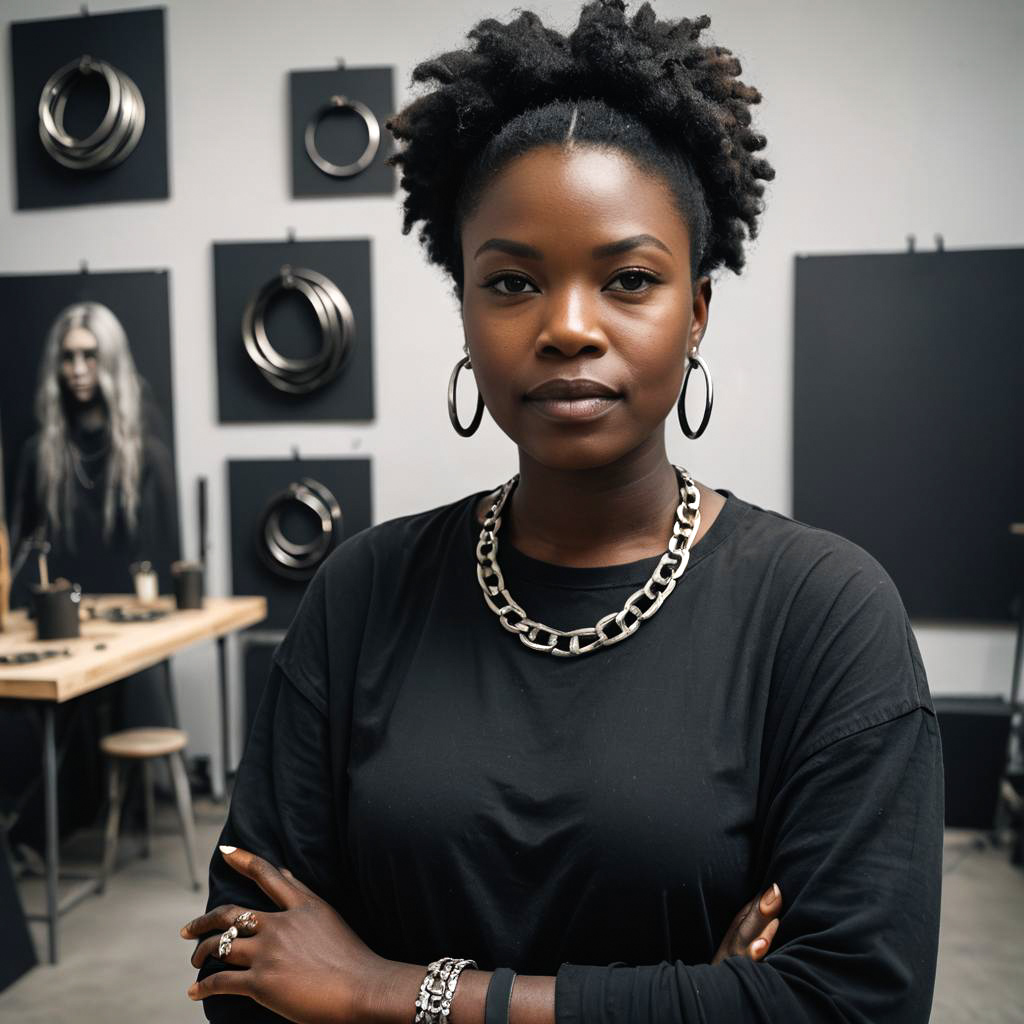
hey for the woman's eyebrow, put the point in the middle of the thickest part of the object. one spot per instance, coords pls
(633, 242)
(530, 252)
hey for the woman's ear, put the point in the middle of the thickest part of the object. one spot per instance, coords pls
(701, 310)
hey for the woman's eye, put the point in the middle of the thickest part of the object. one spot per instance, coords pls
(515, 284)
(633, 280)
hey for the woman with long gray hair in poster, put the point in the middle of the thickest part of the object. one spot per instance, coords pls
(96, 485)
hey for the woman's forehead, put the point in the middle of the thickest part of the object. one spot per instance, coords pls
(584, 193)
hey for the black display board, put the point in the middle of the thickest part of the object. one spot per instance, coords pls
(240, 270)
(341, 137)
(133, 42)
(908, 420)
(252, 483)
(30, 303)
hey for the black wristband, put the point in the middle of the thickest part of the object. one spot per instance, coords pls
(499, 996)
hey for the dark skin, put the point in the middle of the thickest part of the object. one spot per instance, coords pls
(596, 488)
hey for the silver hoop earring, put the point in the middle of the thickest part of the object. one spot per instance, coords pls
(681, 406)
(453, 411)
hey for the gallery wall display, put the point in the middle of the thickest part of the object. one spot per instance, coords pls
(908, 429)
(90, 109)
(287, 516)
(294, 331)
(339, 145)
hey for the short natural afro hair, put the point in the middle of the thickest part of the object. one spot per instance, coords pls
(644, 86)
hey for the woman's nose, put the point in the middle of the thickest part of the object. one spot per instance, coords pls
(571, 327)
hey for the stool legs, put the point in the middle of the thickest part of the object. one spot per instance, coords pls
(114, 795)
(147, 798)
(184, 801)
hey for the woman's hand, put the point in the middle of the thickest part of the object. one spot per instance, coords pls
(303, 962)
(753, 928)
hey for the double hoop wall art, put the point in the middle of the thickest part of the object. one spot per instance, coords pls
(294, 331)
(90, 109)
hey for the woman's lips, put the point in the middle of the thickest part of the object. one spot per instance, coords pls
(574, 409)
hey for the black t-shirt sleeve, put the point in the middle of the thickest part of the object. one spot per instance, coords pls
(850, 825)
(283, 802)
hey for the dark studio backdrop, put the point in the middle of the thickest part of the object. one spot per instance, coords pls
(908, 421)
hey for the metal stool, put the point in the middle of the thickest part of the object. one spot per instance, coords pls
(143, 745)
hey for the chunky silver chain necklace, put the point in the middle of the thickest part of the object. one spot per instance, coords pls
(615, 626)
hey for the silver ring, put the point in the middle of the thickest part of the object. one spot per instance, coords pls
(117, 134)
(299, 561)
(224, 946)
(337, 329)
(247, 920)
(372, 143)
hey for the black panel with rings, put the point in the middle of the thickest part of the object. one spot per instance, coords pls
(117, 134)
(334, 105)
(299, 560)
(337, 327)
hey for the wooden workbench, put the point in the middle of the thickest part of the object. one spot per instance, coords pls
(105, 652)
(108, 651)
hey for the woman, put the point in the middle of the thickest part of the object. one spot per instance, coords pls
(749, 714)
(96, 482)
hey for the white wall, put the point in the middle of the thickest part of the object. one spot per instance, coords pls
(883, 119)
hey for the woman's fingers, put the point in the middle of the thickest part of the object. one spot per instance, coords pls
(759, 916)
(265, 875)
(759, 947)
(301, 886)
(219, 919)
(223, 983)
(241, 954)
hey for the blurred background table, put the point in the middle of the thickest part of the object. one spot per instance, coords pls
(106, 652)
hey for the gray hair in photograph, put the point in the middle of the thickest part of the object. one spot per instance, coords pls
(118, 382)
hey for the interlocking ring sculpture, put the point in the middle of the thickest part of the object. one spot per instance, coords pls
(117, 134)
(298, 561)
(616, 626)
(337, 326)
(357, 166)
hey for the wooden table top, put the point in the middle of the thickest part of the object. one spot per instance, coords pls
(108, 651)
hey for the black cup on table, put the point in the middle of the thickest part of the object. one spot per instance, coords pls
(55, 607)
(188, 584)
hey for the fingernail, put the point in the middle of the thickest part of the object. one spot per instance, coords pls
(191, 993)
(228, 849)
(771, 895)
(758, 946)
(184, 932)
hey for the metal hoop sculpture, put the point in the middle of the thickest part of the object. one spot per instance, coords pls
(117, 134)
(372, 144)
(285, 557)
(681, 406)
(453, 410)
(337, 327)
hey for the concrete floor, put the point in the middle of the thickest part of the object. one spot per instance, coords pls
(121, 958)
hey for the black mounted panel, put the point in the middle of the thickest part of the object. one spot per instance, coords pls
(240, 270)
(908, 420)
(133, 42)
(341, 137)
(252, 484)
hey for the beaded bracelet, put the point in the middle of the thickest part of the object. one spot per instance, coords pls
(434, 1002)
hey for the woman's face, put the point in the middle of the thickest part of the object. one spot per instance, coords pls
(78, 354)
(578, 308)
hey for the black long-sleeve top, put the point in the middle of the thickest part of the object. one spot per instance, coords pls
(602, 818)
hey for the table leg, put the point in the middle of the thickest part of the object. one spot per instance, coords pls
(225, 720)
(52, 834)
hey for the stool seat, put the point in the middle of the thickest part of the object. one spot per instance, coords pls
(142, 743)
